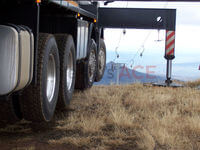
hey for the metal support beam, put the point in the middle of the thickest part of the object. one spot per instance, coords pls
(138, 18)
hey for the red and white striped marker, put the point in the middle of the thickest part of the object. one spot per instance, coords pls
(170, 43)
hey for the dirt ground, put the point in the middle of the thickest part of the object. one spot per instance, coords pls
(128, 117)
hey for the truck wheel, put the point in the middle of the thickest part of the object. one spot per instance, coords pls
(86, 70)
(67, 69)
(10, 111)
(39, 101)
(101, 61)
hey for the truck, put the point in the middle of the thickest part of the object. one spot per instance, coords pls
(48, 48)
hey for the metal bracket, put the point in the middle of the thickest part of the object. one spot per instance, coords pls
(138, 18)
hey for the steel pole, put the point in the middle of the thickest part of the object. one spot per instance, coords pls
(169, 72)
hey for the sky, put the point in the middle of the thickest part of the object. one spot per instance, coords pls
(187, 44)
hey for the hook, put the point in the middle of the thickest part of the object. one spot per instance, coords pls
(143, 49)
(124, 31)
(159, 40)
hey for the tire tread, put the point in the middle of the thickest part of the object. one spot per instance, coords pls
(62, 42)
(32, 107)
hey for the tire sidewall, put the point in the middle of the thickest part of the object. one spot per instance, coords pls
(99, 75)
(69, 47)
(49, 107)
(92, 47)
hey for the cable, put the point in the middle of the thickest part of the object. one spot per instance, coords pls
(118, 44)
(142, 46)
(117, 54)
(143, 49)
(141, 54)
(119, 41)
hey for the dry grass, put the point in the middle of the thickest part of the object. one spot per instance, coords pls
(193, 83)
(118, 118)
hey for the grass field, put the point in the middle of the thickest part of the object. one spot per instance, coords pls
(129, 117)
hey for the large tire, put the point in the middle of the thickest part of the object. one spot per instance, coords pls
(86, 70)
(10, 111)
(67, 55)
(39, 101)
(101, 61)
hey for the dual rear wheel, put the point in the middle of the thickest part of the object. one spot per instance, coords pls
(68, 69)
(57, 73)
(86, 70)
(56, 70)
(93, 67)
(38, 101)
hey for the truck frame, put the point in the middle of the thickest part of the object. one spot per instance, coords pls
(69, 51)
(66, 39)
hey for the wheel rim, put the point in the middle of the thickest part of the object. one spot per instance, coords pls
(70, 71)
(101, 60)
(51, 78)
(92, 65)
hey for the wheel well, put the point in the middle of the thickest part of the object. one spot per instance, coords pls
(102, 33)
(93, 36)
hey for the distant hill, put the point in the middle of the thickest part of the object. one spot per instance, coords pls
(127, 75)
